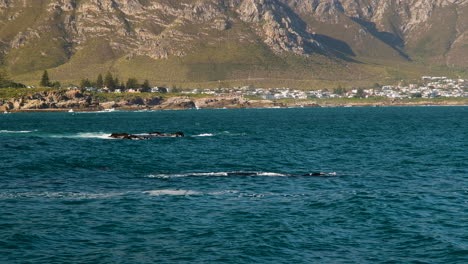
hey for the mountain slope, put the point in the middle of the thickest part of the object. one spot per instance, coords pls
(208, 40)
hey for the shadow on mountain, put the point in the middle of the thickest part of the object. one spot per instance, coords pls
(333, 47)
(391, 39)
(337, 48)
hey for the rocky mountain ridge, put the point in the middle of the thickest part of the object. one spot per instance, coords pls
(37, 35)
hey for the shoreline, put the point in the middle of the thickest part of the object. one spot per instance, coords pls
(145, 109)
(64, 101)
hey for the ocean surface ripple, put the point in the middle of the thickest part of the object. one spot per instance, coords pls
(393, 190)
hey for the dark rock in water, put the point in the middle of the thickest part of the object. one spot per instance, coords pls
(126, 136)
(319, 174)
(145, 136)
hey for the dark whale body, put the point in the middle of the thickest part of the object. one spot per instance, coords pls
(145, 136)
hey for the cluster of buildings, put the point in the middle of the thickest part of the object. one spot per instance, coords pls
(155, 89)
(427, 87)
(265, 93)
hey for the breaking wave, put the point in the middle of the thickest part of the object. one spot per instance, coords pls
(223, 133)
(99, 135)
(172, 192)
(95, 196)
(12, 131)
(237, 173)
(204, 135)
(60, 195)
(176, 192)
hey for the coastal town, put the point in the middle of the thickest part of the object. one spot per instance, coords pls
(427, 87)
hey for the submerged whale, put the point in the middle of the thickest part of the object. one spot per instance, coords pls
(145, 136)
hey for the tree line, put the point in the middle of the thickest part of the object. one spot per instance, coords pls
(114, 83)
(6, 82)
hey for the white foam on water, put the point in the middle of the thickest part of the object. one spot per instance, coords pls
(208, 174)
(61, 195)
(234, 134)
(172, 192)
(217, 174)
(107, 111)
(187, 192)
(84, 196)
(223, 192)
(11, 131)
(99, 135)
(270, 194)
(233, 173)
(204, 135)
(273, 174)
(94, 135)
(224, 133)
(165, 176)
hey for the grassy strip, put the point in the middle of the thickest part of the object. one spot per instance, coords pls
(8, 93)
(375, 100)
(108, 97)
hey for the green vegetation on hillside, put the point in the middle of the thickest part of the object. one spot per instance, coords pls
(8, 93)
(37, 36)
(6, 82)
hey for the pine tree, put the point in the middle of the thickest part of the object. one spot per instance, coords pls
(85, 83)
(56, 84)
(116, 83)
(45, 81)
(99, 82)
(145, 87)
(109, 81)
(132, 83)
(360, 93)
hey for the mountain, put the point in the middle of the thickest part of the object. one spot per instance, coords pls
(214, 40)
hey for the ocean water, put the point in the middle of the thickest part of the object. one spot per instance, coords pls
(395, 189)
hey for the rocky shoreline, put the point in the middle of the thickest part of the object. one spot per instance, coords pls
(60, 101)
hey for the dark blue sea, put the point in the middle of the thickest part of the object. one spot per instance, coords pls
(394, 189)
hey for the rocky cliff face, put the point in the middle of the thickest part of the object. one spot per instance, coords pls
(35, 35)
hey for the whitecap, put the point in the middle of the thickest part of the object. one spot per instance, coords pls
(111, 110)
(223, 192)
(164, 176)
(234, 173)
(99, 135)
(94, 135)
(60, 195)
(82, 196)
(11, 131)
(172, 192)
(217, 174)
(273, 174)
(204, 135)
